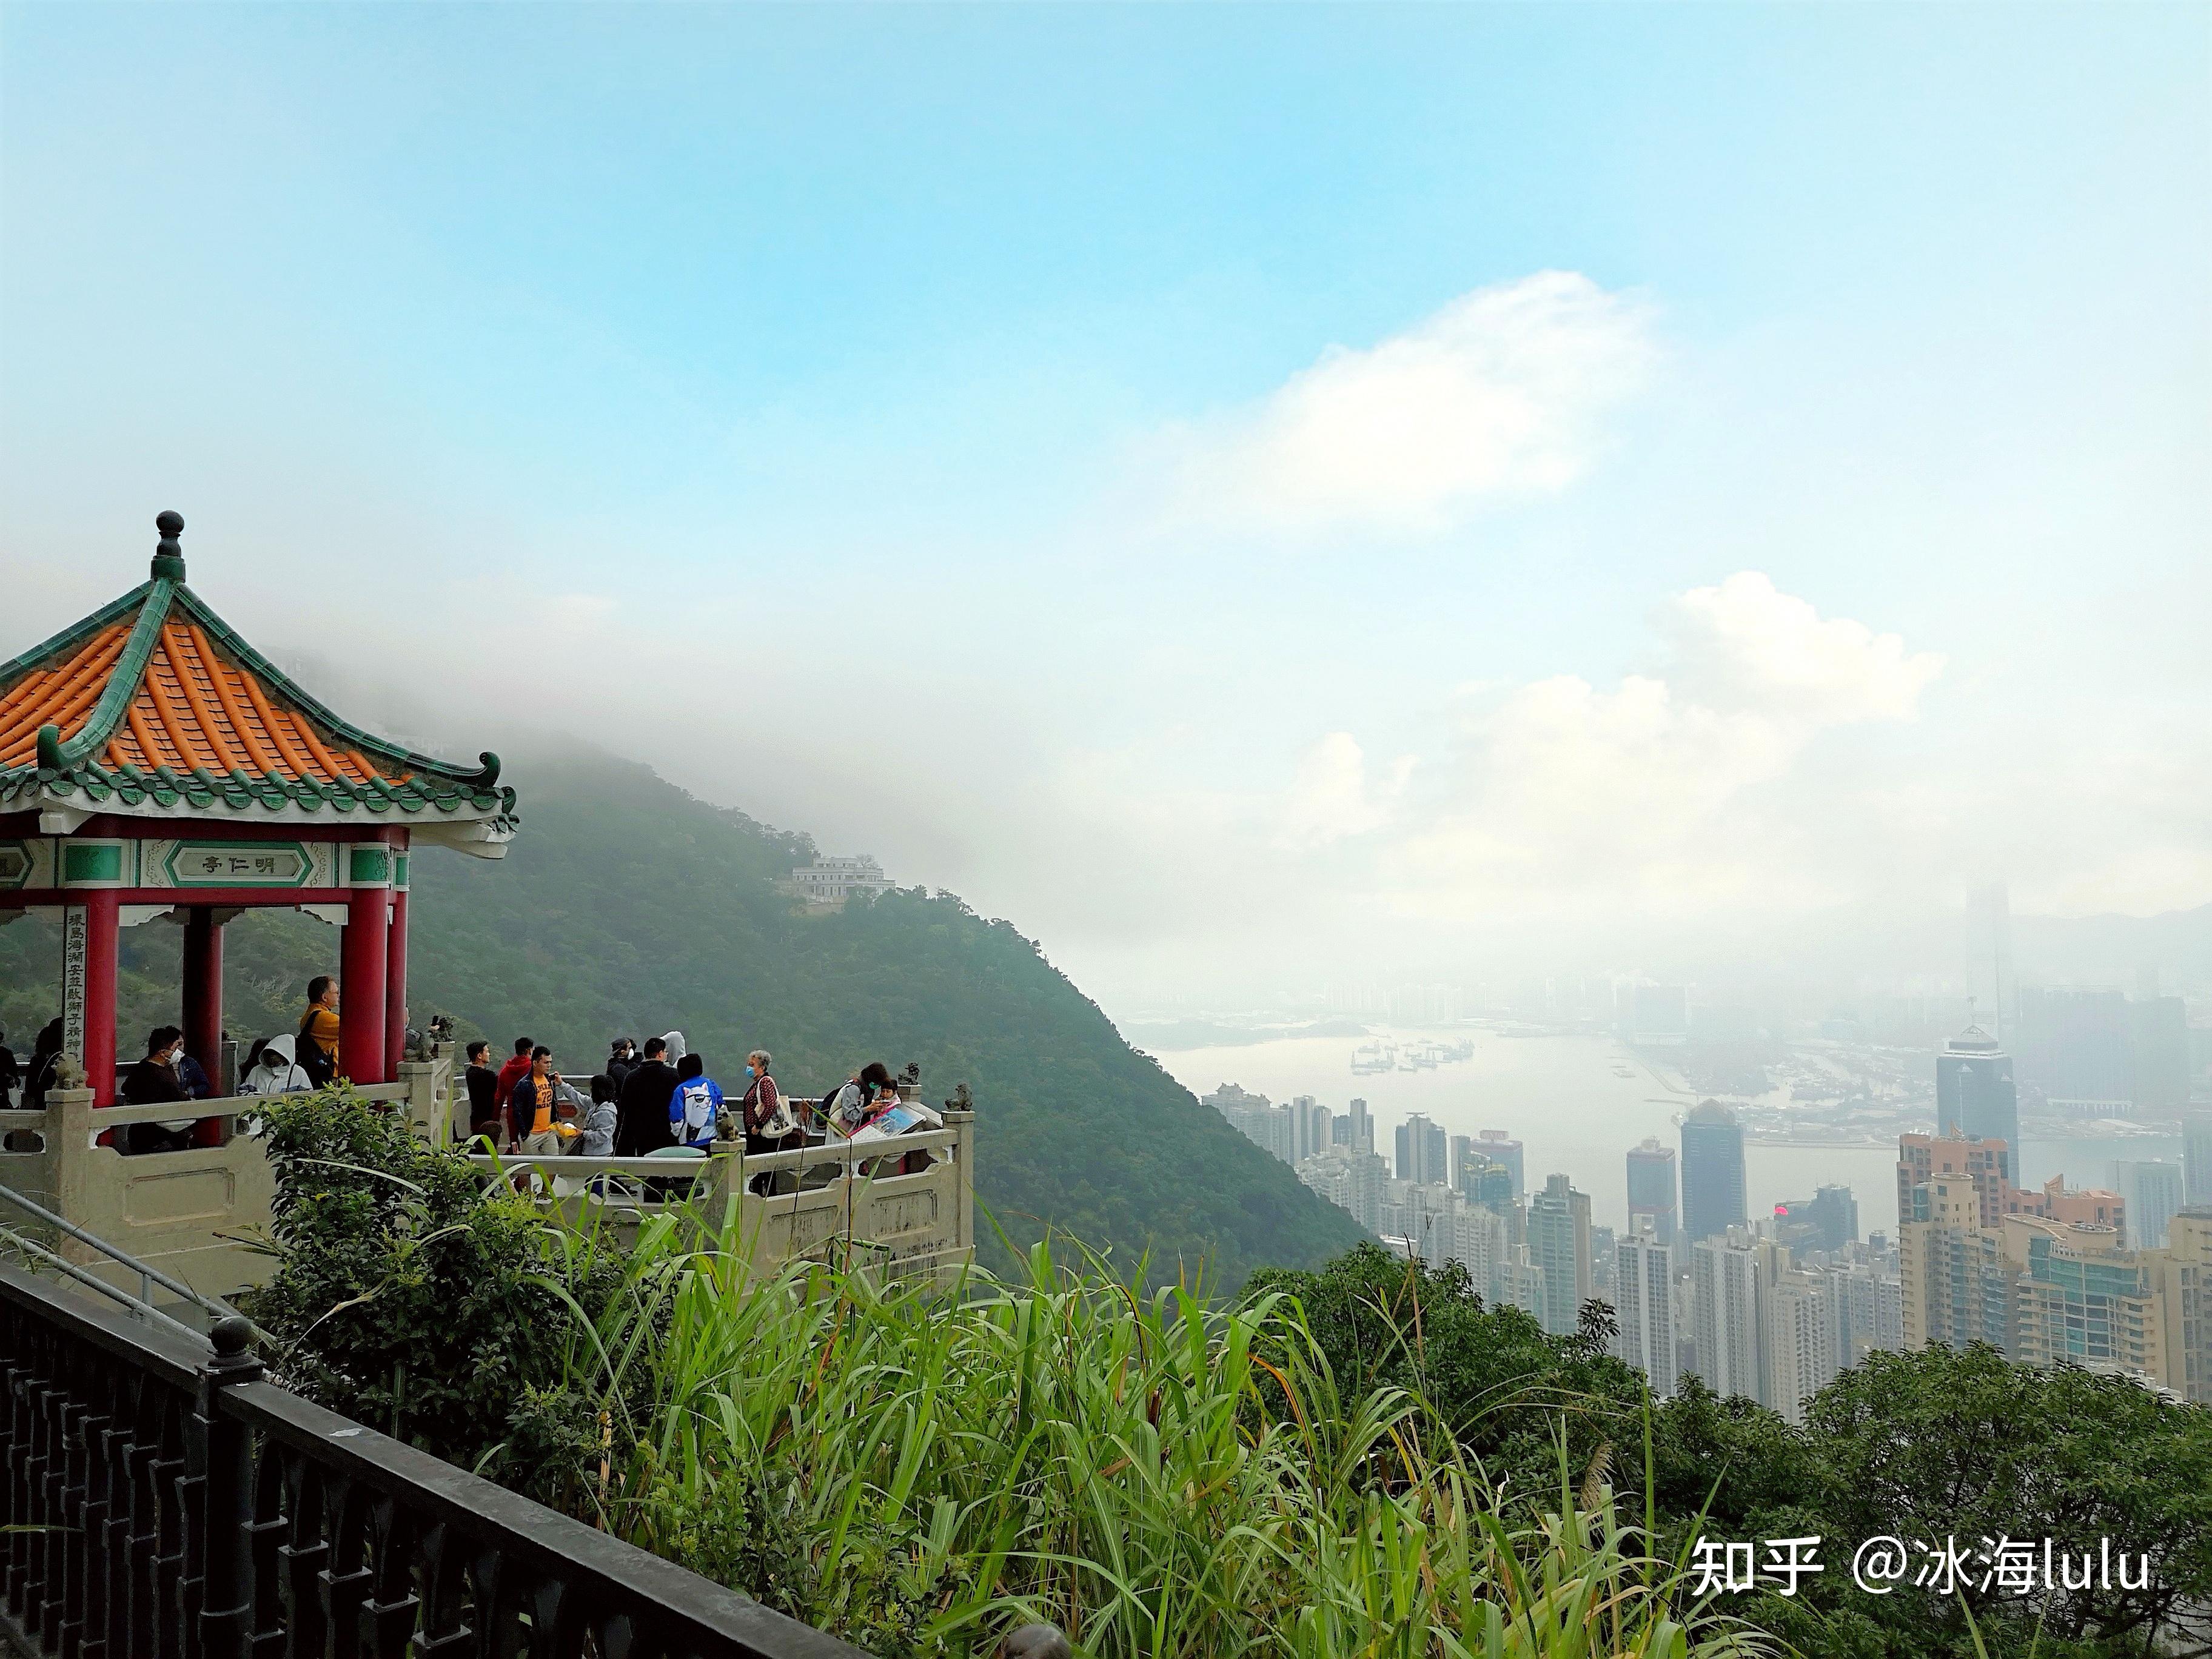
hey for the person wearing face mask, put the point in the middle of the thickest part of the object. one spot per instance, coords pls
(770, 1124)
(153, 1081)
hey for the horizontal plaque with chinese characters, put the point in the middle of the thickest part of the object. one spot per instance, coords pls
(239, 864)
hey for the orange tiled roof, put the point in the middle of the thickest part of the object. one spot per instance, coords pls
(154, 700)
(193, 710)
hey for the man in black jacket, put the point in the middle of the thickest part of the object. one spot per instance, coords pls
(487, 1111)
(641, 1108)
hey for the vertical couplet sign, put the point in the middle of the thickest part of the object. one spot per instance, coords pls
(74, 927)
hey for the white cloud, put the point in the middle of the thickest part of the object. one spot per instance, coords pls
(1331, 798)
(1671, 792)
(1747, 640)
(1497, 394)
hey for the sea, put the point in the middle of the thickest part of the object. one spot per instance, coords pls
(1562, 1096)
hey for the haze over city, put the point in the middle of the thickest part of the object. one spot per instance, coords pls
(1432, 502)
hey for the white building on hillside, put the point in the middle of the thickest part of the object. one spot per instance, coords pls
(829, 881)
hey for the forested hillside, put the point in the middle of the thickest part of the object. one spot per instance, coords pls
(627, 907)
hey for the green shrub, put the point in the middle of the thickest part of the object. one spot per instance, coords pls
(407, 1297)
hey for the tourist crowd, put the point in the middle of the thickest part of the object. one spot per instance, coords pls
(651, 1097)
(656, 1098)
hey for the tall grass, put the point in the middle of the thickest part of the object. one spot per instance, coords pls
(918, 1470)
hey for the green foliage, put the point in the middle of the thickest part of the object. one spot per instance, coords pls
(1502, 1389)
(1926, 1446)
(1942, 1444)
(919, 1471)
(406, 1298)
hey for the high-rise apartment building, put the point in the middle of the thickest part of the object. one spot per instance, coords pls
(1354, 1181)
(2183, 1274)
(1559, 1244)
(1975, 1096)
(1501, 1148)
(1958, 1285)
(2197, 1155)
(1422, 1152)
(1521, 1284)
(1479, 1240)
(1360, 1133)
(1317, 1127)
(1712, 1172)
(1869, 1309)
(1425, 1212)
(2090, 1206)
(2085, 1298)
(1728, 1276)
(1984, 1163)
(1652, 1188)
(1799, 1332)
(1643, 1305)
(1464, 1157)
(2152, 1194)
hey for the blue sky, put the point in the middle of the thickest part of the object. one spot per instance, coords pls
(996, 341)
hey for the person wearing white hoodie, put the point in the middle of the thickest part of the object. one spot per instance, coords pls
(274, 1071)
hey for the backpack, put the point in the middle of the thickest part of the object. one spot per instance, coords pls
(309, 1057)
(696, 1098)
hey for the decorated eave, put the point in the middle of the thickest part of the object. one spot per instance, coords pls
(154, 708)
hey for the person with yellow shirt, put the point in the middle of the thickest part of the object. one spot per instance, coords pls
(533, 1109)
(318, 1047)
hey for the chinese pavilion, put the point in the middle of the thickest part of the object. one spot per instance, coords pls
(153, 764)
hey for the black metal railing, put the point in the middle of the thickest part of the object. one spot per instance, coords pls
(162, 1500)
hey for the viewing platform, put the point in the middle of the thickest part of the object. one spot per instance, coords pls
(196, 1213)
(155, 769)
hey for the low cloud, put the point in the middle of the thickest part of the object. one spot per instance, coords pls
(1673, 790)
(1499, 394)
(1332, 796)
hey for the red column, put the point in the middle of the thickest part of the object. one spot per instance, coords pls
(395, 985)
(204, 989)
(361, 985)
(100, 933)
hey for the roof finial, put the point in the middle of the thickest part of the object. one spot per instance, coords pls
(168, 555)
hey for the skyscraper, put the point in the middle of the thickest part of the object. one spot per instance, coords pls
(1712, 1172)
(1988, 954)
(1826, 1221)
(2078, 1048)
(1643, 1305)
(2197, 1154)
(1652, 1188)
(1975, 1099)
(1559, 1244)
(1464, 1157)
(1311, 1124)
(1421, 1150)
(1362, 1138)
(1501, 1148)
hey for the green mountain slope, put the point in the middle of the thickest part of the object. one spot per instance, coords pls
(626, 906)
